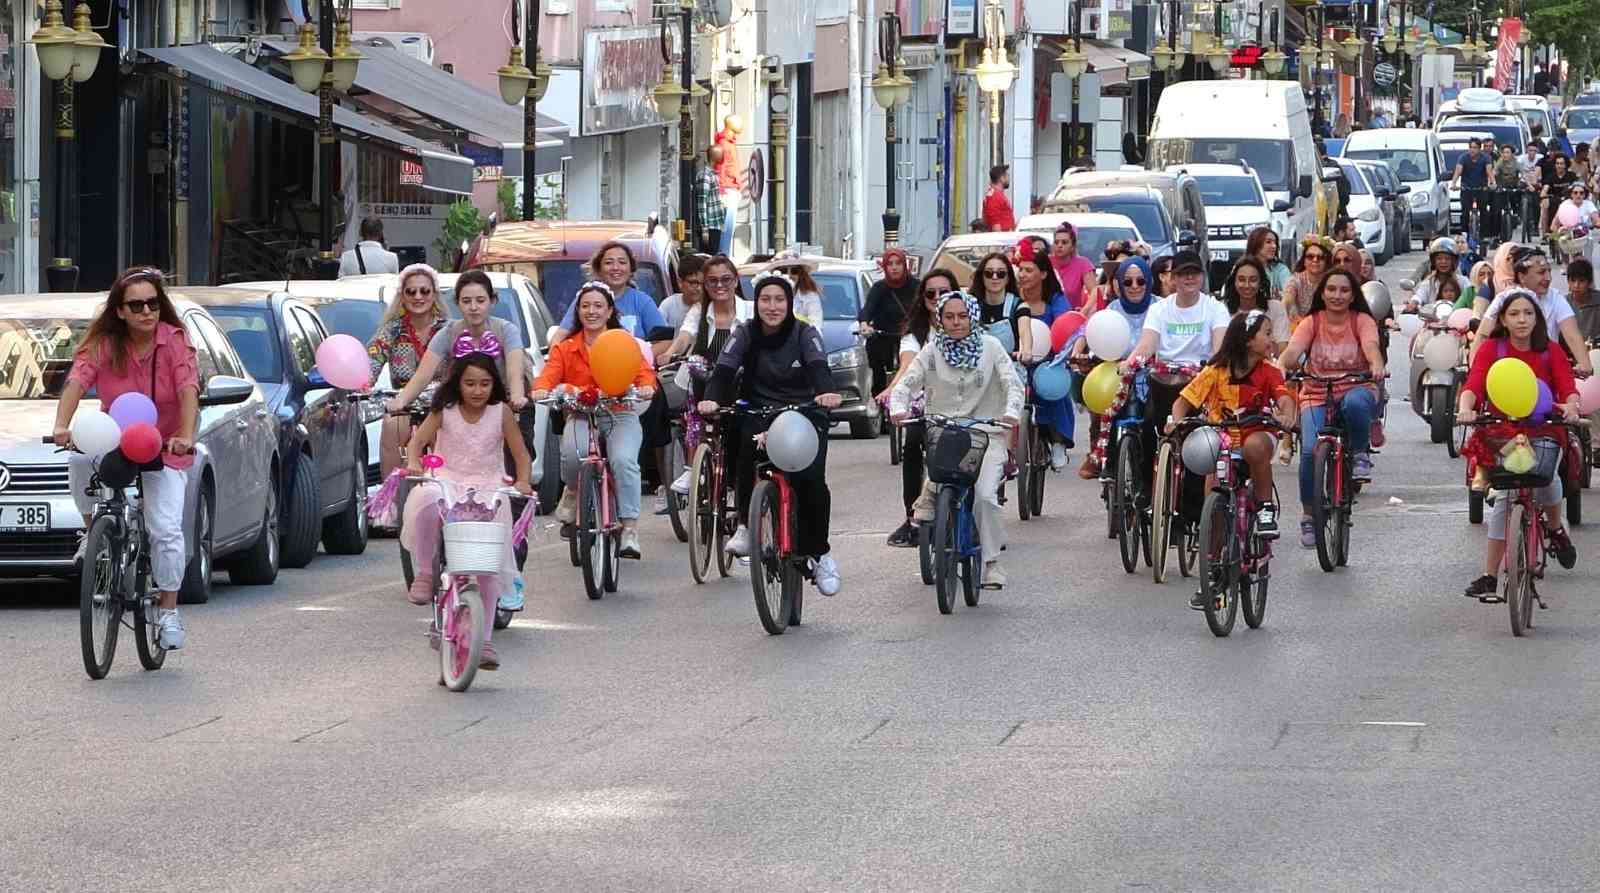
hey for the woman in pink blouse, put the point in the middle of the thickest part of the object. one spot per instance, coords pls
(137, 343)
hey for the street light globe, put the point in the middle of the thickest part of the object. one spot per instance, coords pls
(56, 44)
(541, 78)
(995, 75)
(1273, 61)
(1074, 63)
(346, 61)
(885, 87)
(307, 61)
(1525, 36)
(1350, 48)
(513, 77)
(669, 95)
(902, 90)
(1220, 58)
(1169, 58)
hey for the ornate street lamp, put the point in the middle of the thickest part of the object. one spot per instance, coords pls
(1170, 58)
(86, 49)
(67, 56)
(1074, 62)
(890, 88)
(1273, 60)
(995, 73)
(317, 66)
(55, 43)
(519, 83)
(1219, 56)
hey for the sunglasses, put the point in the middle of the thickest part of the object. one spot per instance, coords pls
(992, 273)
(1315, 255)
(425, 292)
(719, 281)
(1133, 283)
(150, 305)
(933, 292)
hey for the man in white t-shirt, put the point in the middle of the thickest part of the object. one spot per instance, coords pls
(369, 255)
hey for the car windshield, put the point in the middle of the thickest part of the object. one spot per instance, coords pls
(36, 355)
(559, 281)
(1533, 116)
(1410, 165)
(1505, 133)
(353, 317)
(1145, 213)
(1268, 158)
(1584, 119)
(841, 298)
(1358, 183)
(1233, 192)
(506, 307)
(249, 330)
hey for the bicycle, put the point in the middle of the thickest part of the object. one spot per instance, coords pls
(1123, 490)
(1333, 485)
(776, 572)
(1166, 490)
(678, 449)
(596, 543)
(1033, 454)
(713, 511)
(1528, 553)
(955, 450)
(471, 546)
(115, 578)
(1235, 563)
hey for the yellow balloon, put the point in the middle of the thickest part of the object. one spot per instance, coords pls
(1512, 387)
(1101, 385)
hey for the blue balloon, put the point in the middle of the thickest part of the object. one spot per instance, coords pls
(1052, 381)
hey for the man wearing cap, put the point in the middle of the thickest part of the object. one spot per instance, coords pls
(997, 211)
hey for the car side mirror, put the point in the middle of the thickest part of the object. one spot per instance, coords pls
(1281, 205)
(1383, 192)
(1404, 189)
(317, 382)
(1305, 186)
(222, 390)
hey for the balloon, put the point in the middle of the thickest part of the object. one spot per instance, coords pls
(432, 461)
(133, 408)
(95, 433)
(1410, 324)
(342, 360)
(1460, 319)
(615, 359)
(1589, 394)
(792, 442)
(1041, 338)
(1512, 387)
(1100, 387)
(1108, 336)
(1052, 381)
(1201, 449)
(1441, 352)
(1377, 295)
(1065, 326)
(1545, 403)
(141, 443)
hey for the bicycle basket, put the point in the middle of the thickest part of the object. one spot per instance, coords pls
(474, 547)
(1547, 460)
(955, 455)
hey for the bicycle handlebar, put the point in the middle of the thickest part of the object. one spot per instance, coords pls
(1521, 423)
(950, 421)
(1305, 375)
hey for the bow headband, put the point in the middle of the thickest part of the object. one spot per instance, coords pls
(597, 285)
(772, 276)
(487, 343)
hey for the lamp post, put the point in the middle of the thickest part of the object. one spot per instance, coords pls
(519, 83)
(889, 89)
(1272, 61)
(1219, 56)
(1171, 58)
(323, 63)
(671, 102)
(1474, 51)
(1074, 64)
(67, 56)
(995, 72)
(1312, 51)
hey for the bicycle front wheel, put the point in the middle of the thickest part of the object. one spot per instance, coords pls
(1218, 568)
(461, 640)
(925, 551)
(945, 558)
(1125, 503)
(1325, 521)
(767, 569)
(99, 601)
(1521, 559)
(702, 511)
(1161, 513)
(590, 535)
(147, 635)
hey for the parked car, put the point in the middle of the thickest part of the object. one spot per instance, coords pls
(1393, 196)
(554, 254)
(230, 510)
(1236, 205)
(1167, 208)
(1541, 120)
(1364, 207)
(322, 479)
(1582, 124)
(844, 285)
(1416, 158)
(961, 253)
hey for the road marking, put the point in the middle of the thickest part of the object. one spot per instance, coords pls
(1408, 725)
(318, 608)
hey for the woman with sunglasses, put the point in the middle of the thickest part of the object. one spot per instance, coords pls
(410, 321)
(1532, 269)
(920, 326)
(1042, 300)
(1316, 253)
(485, 333)
(995, 284)
(704, 331)
(138, 344)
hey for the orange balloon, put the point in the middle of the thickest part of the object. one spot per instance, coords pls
(614, 358)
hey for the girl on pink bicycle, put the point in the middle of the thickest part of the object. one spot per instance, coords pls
(469, 427)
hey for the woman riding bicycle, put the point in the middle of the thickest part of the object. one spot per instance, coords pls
(783, 362)
(567, 368)
(704, 331)
(1133, 302)
(1531, 266)
(499, 338)
(1524, 336)
(883, 315)
(138, 344)
(1316, 253)
(965, 373)
(995, 284)
(1042, 300)
(1339, 336)
(409, 323)
(919, 328)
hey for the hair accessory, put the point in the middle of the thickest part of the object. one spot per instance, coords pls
(1023, 252)
(772, 276)
(597, 285)
(1254, 318)
(486, 343)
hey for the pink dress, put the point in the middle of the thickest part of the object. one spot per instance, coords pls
(474, 456)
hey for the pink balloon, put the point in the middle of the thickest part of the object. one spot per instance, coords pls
(1460, 319)
(342, 360)
(1589, 394)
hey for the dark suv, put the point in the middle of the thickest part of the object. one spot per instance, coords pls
(1166, 207)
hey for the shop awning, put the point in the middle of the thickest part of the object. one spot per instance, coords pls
(414, 88)
(1114, 64)
(441, 170)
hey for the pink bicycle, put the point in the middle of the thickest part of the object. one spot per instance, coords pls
(596, 542)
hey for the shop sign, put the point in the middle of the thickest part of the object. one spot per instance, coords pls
(395, 209)
(961, 18)
(411, 173)
(486, 173)
(621, 66)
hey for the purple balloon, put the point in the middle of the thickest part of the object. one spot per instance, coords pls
(1545, 403)
(133, 408)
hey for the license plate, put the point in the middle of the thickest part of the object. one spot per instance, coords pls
(1219, 254)
(26, 518)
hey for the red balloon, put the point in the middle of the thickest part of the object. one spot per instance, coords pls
(141, 443)
(1065, 326)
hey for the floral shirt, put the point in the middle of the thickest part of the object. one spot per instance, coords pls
(163, 375)
(401, 347)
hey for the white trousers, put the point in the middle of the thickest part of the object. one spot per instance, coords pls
(163, 516)
(986, 501)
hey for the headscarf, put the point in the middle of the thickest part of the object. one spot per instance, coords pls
(1505, 274)
(760, 336)
(962, 353)
(905, 266)
(1143, 266)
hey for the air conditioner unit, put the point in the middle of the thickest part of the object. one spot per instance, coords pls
(416, 44)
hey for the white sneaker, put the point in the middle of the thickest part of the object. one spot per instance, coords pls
(172, 634)
(993, 576)
(681, 485)
(567, 508)
(629, 547)
(1058, 457)
(739, 543)
(825, 573)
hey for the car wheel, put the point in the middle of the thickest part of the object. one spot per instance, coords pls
(346, 532)
(259, 565)
(196, 586)
(302, 514)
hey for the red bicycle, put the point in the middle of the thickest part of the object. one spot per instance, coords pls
(1333, 483)
(596, 541)
(777, 574)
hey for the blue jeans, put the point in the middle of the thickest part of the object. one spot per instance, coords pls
(623, 436)
(1360, 406)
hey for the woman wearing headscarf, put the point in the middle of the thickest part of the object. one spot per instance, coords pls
(1131, 301)
(883, 316)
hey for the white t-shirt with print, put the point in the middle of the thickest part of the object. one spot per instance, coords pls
(1186, 331)
(1557, 309)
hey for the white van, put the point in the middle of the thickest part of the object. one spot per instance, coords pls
(1263, 123)
(1417, 161)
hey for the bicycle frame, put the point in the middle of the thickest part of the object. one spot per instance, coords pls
(785, 544)
(594, 460)
(1234, 481)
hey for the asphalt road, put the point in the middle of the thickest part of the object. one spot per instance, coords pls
(1080, 730)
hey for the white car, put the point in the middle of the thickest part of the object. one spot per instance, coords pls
(1236, 205)
(961, 253)
(1371, 227)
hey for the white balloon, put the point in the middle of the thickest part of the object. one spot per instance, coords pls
(1041, 338)
(792, 442)
(95, 433)
(1108, 336)
(1442, 352)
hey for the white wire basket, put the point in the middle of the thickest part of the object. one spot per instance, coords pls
(474, 547)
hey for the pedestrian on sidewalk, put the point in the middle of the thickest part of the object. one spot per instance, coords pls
(370, 254)
(708, 202)
(997, 213)
(729, 182)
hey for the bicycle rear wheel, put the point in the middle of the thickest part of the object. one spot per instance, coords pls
(147, 635)
(767, 567)
(99, 601)
(1218, 569)
(461, 640)
(702, 517)
(612, 577)
(1024, 460)
(1039, 454)
(589, 536)
(925, 551)
(1252, 588)
(1521, 559)
(1325, 520)
(1124, 505)
(1161, 513)
(945, 559)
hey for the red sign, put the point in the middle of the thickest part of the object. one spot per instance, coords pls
(1506, 56)
(410, 173)
(1246, 56)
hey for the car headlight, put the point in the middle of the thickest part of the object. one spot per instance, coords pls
(847, 358)
(1370, 215)
(1420, 199)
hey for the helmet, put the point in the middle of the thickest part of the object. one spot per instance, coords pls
(1443, 244)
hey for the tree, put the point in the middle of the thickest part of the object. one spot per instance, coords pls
(1568, 25)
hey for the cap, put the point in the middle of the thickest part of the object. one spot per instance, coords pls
(1187, 262)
